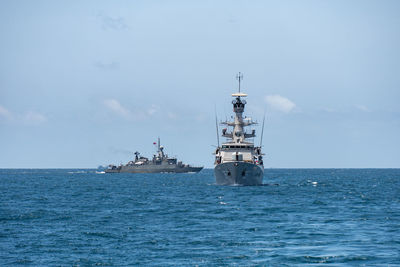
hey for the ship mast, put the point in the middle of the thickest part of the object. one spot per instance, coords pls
(160, 149)
(238, 108)
(238, 134)
(239, 77)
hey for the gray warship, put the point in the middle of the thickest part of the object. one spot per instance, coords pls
(160, 163)
(238, 161)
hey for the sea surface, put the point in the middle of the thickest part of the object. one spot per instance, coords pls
(300, 217)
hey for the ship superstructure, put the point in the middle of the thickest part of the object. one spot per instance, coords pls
(238, 161)
(160, 162)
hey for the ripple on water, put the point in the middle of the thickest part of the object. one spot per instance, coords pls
(299, 217)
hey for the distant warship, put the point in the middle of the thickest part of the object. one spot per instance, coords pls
(159, 164)
(238, 161)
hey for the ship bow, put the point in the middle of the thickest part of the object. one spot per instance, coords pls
(238, 173)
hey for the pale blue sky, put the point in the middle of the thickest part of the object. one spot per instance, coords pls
(84, 83)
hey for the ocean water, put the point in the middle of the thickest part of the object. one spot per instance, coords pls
(307, 217)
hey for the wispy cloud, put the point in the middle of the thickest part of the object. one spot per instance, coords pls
(30, 117)
(5, 113)
(152, 110)
(362, 108)
(328, 109)
(135, 113)
(280, 103)
(172, 115)
(117, 108)
(107, 66)
(33, 117)
(112, 23)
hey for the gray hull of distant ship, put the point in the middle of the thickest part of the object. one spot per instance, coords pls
(155, 169)
(239, 173)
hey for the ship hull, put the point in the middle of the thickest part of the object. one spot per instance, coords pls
(238, 173)
(155, 169)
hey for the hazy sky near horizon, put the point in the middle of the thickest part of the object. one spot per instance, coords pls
(86, 83)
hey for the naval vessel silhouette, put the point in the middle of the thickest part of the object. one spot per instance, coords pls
(238, 161)
(160, 163)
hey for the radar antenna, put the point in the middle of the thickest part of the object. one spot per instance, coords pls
(239, 77)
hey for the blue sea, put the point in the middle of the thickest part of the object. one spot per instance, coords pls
(305, 217)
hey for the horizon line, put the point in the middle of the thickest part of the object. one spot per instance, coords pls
(75, 168)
